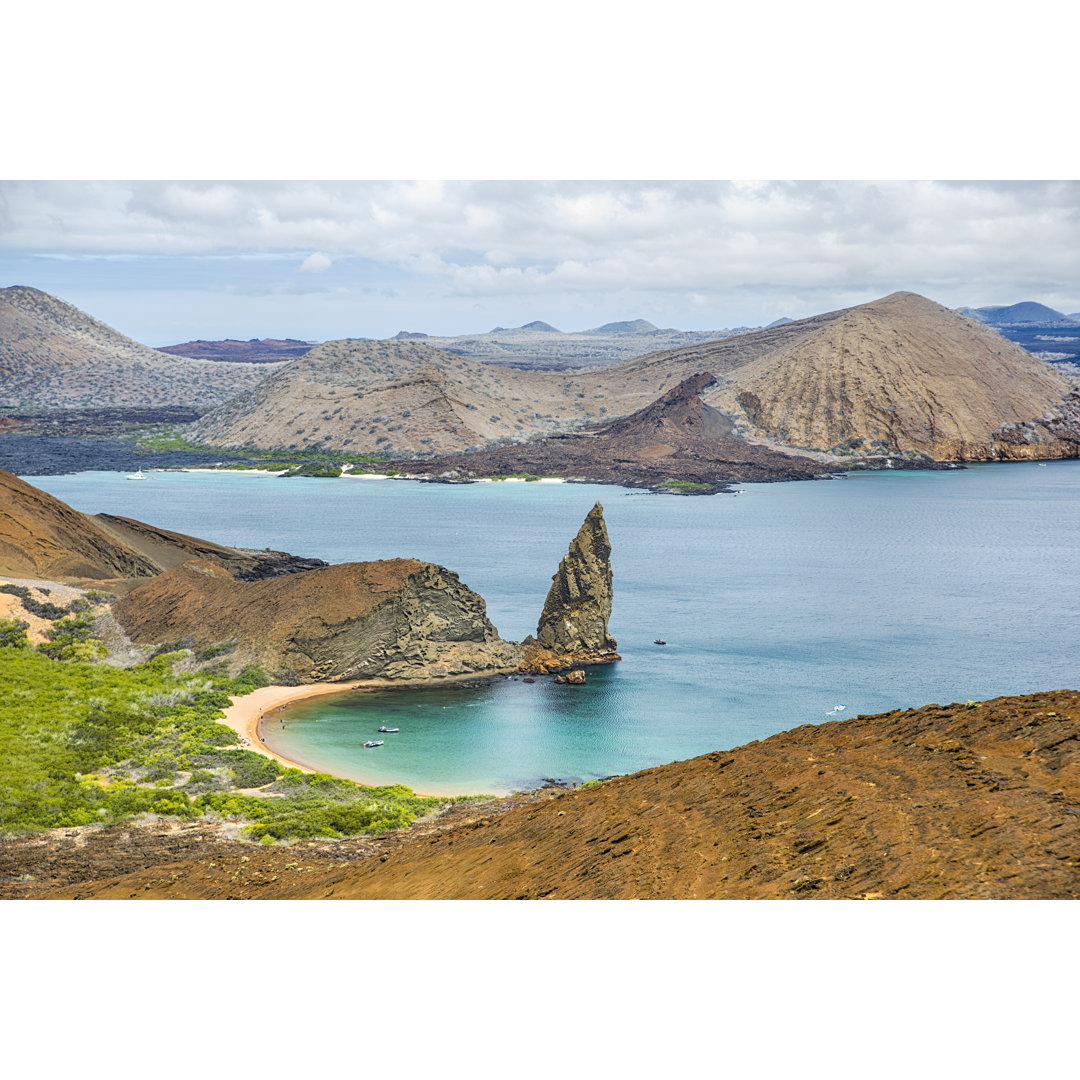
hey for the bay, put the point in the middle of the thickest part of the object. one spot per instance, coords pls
(877, 591)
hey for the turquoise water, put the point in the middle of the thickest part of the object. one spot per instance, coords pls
(876, 591)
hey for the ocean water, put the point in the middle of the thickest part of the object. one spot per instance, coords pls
(876, 591)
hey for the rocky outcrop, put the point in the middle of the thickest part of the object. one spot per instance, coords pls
(398, 619)
(573, 628)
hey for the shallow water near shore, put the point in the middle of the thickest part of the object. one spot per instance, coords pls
(877, 591)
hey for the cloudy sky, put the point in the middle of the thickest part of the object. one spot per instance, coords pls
(169, 261)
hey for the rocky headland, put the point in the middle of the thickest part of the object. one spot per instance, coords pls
(398, 619)
(302, 620)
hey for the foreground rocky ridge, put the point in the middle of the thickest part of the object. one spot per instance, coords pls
(977, 801)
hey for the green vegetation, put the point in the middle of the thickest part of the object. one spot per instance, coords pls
(71, 638)
(513, 476)
(316, 468)
(171, 437)
(13, 634)
(84, 743)
(685, 485)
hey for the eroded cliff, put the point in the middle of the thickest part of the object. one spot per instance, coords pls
(396, 619)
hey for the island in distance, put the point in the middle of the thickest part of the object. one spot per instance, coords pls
(901, 378)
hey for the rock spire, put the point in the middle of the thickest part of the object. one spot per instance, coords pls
(574, 622)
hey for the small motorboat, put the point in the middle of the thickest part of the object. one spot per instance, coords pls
(371, 743)
(388, 730)
(140, 475)
(659, 641)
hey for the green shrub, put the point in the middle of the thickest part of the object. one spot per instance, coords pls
(13, 634)
(65, 726)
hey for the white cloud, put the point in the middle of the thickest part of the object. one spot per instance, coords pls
(316, 263)
(822, 241)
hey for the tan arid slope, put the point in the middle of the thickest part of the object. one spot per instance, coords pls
(388, 397)
(406, 397)
(52, 355)
(901, 374)
(904, 374)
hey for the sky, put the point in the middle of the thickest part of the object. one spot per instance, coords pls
(170, 261)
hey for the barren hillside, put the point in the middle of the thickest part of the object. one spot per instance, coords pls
(52, 355)
(901, 375)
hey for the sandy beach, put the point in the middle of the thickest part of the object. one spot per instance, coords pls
(246, 713)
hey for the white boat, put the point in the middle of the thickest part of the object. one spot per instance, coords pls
(140, 475)
(373, 742)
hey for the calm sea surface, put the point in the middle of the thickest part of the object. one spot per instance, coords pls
(876, 591)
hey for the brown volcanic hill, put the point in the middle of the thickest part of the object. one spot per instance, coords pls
(953, 802)
(899, 375)
(676, 438)
(44, 538)
(52, 355)
(392, 619)
(905, 375)
(255, 351)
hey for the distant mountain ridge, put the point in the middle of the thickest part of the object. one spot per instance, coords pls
(1026, 313)
(254, 351)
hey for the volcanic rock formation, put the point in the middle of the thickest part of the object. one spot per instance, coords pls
(391, 619)
(573, 627)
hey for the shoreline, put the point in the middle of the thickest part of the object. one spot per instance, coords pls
(246, 713)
